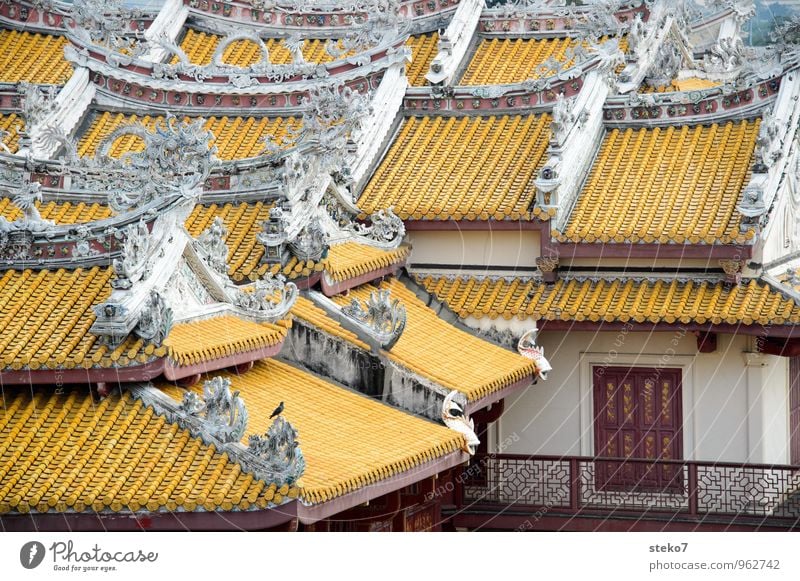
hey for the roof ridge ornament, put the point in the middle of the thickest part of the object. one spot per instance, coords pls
(454, 418)
(31, 220)
(223, 414)
(107, 22)
(131, 266)
(527, 347)
(37, 102)
(386, 229)
(270, 296)
(155, 319)
(176, 160)
(277, 453)
(212, 246)
(380, 316)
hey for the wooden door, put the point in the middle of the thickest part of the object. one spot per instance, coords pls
(638, 415)
(794, 411)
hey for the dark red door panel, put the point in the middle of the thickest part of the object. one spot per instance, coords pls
(638, 415)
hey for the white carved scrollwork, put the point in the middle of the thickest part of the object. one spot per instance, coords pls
(155, 319)
(386, 229)
(211, 245)
(107, 22)
(37, 102)
(25, 198)
(223, 414)
(131, 266)
(271, 297)
(528, 348)
(454, 418)
(380, 316)
(277, 453)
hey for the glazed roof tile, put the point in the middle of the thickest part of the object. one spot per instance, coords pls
(234, 137)
(66, 452)
(33, 57)
(461, 168)
(677, 184)
(349, 440)
(444, 354)
(615, 300)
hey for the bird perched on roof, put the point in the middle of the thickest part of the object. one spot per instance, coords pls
(454, 418)
(277, 411)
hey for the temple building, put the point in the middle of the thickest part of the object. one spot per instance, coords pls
(398, 265)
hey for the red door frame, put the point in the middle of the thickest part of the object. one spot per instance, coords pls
(794, 411)
(637, 414)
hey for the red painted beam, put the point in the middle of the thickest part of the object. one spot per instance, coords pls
(781, 347)
(655, 251)
(706, 342)
(173, 372)
(775, 331)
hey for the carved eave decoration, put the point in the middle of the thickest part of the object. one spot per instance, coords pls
(379, 321)
(180, 279)
(773, 156)
(454, 417)
(219, 417)
(366, 47)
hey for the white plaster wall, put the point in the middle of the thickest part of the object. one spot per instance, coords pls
(731, 411)
(470, 247)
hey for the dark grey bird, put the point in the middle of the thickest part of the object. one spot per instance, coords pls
(278, 410)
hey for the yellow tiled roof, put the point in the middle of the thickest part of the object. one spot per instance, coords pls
(68, 453)
(46, 321)
(663, 301)
(196, 342)
(677, 184)
(59, 212)
(234, 137)
(349, 440)
(305, 310)
(461, 168)
(12, 124)
(200, 47)
(502, 61)
(35, 58)
(352, 259)
(423, 50)
(444, 354)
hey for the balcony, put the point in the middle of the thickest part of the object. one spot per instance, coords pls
(580, 493)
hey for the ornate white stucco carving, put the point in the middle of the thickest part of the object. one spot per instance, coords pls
(107, 22)
(454, 418)
(277, 454)
(31, 220)
(386, 229)
(155, 319)
(270, 297)
(211, 245)
(131, 266)
(223, 414)
(176, 160)
(381, 317)
(527, 347)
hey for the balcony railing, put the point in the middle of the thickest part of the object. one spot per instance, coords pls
(577, 484)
